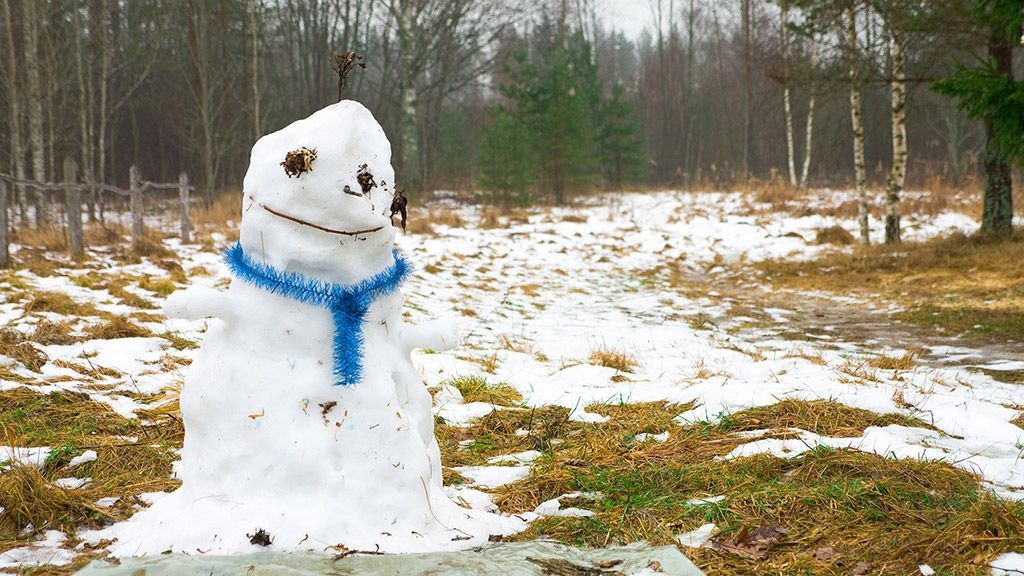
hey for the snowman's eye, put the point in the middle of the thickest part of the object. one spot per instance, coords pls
(348, 190)
(365, 179)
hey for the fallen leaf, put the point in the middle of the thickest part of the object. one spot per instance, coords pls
(825, 554)
(861, 569)
(755, 544)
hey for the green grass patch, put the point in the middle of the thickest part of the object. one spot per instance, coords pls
(479, 389)
(893, 513)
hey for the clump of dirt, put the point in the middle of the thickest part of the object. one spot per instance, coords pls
(299, 161)
(260, 538)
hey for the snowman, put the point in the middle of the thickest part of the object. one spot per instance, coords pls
(306, 425)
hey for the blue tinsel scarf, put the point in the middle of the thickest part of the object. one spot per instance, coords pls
(348, 304)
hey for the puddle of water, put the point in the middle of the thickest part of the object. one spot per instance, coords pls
(507, 559)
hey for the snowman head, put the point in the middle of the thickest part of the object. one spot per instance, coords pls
(308, 205)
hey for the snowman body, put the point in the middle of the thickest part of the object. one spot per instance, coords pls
(274, 442)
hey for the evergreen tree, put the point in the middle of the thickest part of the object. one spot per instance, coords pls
(561, 106)
(507, 162)
(621, 147)
(990, 93)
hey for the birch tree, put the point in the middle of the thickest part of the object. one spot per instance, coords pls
(898, 117)
(30, 63)
(857, 122)
(787, 106)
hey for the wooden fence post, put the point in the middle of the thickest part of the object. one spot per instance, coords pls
(135, 203)
(4, 254)
(73, 208)
(186, 226)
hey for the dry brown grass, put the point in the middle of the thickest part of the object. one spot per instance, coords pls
(57, 303)
(49, 238)
(29, 499)
(776, 192)
(223, 214)
(834, 235)
(17, 346)
(893, 513)
(957, 284)
(117, 327)
(1018, 421)
(420, 226)
(907, 361)
(47, 333)
(823, 417)
(616, 359)
(71, 423)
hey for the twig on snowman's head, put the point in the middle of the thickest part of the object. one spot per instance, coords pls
(399, 205)
(343, 64)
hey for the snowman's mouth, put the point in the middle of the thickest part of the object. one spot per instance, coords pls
(317, 226)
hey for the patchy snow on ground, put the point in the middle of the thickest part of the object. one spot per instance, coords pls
(538, 295)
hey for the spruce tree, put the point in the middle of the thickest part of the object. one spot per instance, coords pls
(990, 93)
(620, 145)
(507, 161)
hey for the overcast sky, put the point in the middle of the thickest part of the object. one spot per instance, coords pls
(630, 16)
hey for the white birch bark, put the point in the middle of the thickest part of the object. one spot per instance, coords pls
(898, 171)
(809, 136)
(857, 121)
(786, 101)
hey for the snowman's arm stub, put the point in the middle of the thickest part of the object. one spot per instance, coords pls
(198, 302)
(441, 334)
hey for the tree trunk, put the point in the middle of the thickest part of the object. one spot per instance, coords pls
(17, 155)
(407, 111)
(136, 205)
(83, 109)
(104, 77)
(30, 62)
(809, 136)
(184, 225)
(5, 257)
(997, 214)
(898, 171)
(790, 145)
(745, 4)
(254, 38)
(73, 208)
(857, 121)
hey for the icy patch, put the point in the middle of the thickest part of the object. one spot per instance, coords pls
(1008, 564)
(493, 476)
(47, 551)
(517, 458)
(71, 483)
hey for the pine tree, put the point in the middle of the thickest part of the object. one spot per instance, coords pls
(990, 93)
(620, 145)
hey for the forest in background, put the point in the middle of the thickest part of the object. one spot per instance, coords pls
(524, 98)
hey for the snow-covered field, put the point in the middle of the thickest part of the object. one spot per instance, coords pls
(536, 296)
